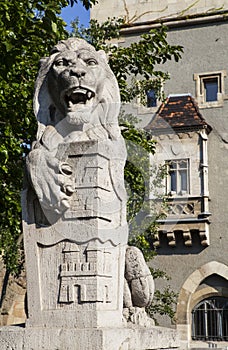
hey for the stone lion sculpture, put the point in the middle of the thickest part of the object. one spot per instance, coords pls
(77, 101)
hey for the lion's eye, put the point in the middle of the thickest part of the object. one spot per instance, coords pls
(91, 62)
(61, 62)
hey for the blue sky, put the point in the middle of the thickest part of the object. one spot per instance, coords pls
(70, 13)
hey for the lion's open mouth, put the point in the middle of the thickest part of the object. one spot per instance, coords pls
(78, 96)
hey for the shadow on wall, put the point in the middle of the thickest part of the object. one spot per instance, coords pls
(180, 247)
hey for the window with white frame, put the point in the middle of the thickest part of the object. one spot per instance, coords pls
(178, 176)
(210, 90)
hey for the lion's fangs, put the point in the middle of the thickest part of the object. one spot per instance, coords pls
(78, 96)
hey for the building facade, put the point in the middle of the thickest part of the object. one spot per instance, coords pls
(191, 129)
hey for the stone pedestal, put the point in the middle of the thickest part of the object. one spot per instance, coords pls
(75, 261)
(124, 338)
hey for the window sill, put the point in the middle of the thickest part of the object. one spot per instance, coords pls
(182, 194)
(146, 110)
(216, 104)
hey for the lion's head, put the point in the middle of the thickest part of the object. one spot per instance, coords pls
(76, 84)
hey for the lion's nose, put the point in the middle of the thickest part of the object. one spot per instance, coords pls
(78, 72)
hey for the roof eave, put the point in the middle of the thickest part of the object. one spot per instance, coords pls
(181, 129)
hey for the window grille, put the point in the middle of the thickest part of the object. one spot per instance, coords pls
(210, 320)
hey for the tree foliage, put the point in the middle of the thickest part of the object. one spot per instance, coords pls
(86, 3)
(163, 304)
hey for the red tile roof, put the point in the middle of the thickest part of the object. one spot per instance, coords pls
(178, 112)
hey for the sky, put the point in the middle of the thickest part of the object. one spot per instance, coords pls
(70, 13)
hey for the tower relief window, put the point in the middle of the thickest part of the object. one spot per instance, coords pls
(210, 90)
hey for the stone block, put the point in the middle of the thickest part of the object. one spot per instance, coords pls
(124, 338)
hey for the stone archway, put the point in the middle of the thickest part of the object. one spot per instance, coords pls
(188, 294)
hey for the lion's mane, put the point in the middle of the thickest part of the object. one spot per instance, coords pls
(108, 94)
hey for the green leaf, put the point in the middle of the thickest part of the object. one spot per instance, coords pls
(54, 27)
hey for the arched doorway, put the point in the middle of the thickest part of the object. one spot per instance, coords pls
(190, 295)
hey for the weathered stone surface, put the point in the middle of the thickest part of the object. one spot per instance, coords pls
(77, 104)
(139, 279)
(75, 209)
(131, 338)
(143, 11)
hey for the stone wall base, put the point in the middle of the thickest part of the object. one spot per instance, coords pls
(126, 338)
